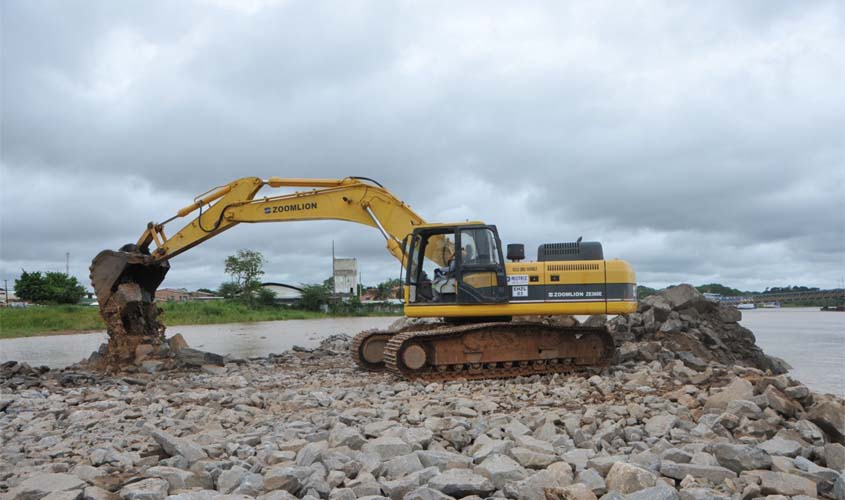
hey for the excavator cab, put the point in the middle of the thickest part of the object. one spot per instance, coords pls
(455, 264)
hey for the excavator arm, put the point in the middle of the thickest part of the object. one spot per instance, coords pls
(352, 199)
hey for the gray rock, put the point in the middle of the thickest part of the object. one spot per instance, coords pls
(495, 446)
(834, 456)
(501, 469)
(780, 446)
(365, 484)
(681, 296)
(309, 453)
(571, 492)
(461, 482)
(178, 446)
(744, 408)
(593, 480)
(401, 466)
(603, 464)
(426, 493)
(830, 416)
(712, 473)
(660, 425)
(387, 447)
(781, 483)
(738, 457)
(396, 489)
(729, 314)
(342, 494)
(148, 489)
(533, 487)
(534, 444)
(198, 495)
(251, 485)
(659, 492)
(41, 485)
(178, 479)
(701, 494)
(64, 495)
(444, 460)
(346, 436)
(97, 493)
(676, 455)
(779, 402)
(196, 357)
(286, 478)
(628, 478)
(230, 479)
(692, 361)
(532, 459)
(738, 389)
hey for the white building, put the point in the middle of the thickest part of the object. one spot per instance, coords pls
(345, 273)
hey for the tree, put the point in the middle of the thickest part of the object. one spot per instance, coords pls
(229, 290)
(52, 287)
(383, 289)
(265, 296)
(644, 291)
(245, 267)
(206, 290)
(313, 297)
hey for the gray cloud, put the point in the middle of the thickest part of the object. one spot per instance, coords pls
(701, 142)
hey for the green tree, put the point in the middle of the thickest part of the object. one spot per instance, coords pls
(245, 268)
(229, 290)
(383, 289)
(313, 297)
(52, 287)
(265, 296)
(644, 291)
(720, 289)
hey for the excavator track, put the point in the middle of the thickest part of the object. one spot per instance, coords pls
(497, 350)
(368, 349)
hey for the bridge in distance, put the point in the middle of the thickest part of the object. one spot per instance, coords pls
(832, 297)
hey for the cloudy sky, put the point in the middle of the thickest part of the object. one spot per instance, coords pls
(701, 141)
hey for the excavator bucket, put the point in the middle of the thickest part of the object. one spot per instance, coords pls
(125, 282)
(111, 268)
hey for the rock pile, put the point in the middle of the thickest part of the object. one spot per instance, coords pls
(681, 320)
(669, 422)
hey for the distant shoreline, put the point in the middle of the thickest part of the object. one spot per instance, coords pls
(43, 321)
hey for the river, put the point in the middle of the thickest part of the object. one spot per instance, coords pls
(813, 342)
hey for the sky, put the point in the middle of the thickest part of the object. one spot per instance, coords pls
(700, 141)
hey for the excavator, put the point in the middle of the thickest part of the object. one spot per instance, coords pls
(488, 318)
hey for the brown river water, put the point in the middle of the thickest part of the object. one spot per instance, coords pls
(813, 342)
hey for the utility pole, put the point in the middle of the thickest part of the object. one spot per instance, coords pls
(6, 291)
(67, 263)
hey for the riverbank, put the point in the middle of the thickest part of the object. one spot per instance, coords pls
(57, 320)
(308, 423)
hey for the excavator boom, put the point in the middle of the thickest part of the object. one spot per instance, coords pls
(353, 199)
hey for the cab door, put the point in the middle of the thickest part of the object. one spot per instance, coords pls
(480, 267)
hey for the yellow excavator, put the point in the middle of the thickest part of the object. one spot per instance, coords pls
(496, 318)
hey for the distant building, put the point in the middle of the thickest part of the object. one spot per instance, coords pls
(285, 294)
(173, 295)
(7, 296)
(182, 295)
(345, 273)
